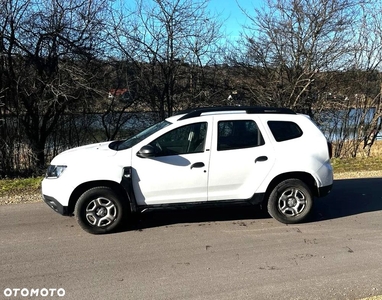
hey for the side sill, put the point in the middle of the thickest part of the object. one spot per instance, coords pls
(255, 200)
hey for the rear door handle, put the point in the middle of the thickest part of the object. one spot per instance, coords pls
(261, 158)
(197, 165)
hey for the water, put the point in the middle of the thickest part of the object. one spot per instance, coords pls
(346, 124)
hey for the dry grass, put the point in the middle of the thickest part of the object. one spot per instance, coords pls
(19, 186)
(372, 163)
(361, 163)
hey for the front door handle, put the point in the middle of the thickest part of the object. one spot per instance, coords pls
(197, 165)
(261, 158)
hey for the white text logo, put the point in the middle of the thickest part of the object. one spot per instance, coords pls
(24, 292)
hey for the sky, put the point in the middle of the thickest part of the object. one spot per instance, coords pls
(234, 18)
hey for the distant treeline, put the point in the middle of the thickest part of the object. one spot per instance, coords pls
(67, 64)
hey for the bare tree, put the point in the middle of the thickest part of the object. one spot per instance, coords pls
(368, 59)
(355, 105)
(49, 48)
(290, 42)
(167, 42)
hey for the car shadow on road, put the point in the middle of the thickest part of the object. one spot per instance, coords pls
(348, 197)
(236, 213)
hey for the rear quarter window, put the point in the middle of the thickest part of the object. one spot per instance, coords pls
(284, 130)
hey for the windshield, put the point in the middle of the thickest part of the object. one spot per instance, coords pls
(130, 142)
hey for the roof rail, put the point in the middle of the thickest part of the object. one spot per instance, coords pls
(196, 112)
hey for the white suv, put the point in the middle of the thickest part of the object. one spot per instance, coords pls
(269, 156)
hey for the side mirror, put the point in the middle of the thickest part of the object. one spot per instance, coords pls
(146, 151)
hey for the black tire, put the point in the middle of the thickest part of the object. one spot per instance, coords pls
(99, 210)
(290, 201)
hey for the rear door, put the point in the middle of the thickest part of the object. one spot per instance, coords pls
(241, 157)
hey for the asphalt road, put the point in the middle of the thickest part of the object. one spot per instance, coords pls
(217, 253)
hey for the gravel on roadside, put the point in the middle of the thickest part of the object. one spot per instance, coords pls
(22, 197)
(358, 174)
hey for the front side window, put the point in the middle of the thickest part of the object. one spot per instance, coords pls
(284, 130)
(183, 140)
(238, 134)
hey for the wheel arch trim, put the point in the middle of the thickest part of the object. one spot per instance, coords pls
(305, 177)
(82, 188)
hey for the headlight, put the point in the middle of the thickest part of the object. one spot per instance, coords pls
(54, 171)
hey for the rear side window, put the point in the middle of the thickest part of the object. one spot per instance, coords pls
(238, 134)
(284, 130)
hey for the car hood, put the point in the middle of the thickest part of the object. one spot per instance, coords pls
(92, 152)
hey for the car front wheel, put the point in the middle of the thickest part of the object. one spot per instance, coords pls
(290, 201)
(99, 210)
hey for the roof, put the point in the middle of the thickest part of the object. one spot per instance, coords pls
(117, 92)
(196, 112)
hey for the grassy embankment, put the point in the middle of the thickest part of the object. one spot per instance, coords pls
(343, 166)
(361, 164)
(20, 186)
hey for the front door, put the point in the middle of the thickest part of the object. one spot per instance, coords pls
(178, 172)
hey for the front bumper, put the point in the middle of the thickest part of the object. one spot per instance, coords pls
(324, 190)
(55, 205)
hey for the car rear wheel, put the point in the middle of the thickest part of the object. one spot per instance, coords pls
(99, 210)
(290, 201)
